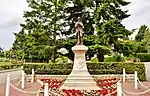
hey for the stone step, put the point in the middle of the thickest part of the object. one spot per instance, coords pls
(80, 79)
(84, 88)
(81, 76)
(80, 71)
(80, 84)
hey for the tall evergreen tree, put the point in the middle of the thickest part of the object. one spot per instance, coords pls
(56, 18)
(108, 17)
(142, 30)
(102, 21)
(43, 24)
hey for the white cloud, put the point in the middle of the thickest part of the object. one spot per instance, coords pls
(11, 12)
(139, 10)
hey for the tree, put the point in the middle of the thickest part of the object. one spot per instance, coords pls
(108, 17)
(143, 37)
(56, 18)
(42, 26)
(132, 47)
(102, 14)
(146, 40)
(142, 30)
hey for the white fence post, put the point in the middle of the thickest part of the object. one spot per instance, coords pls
(119, 89)
(135, 80)
(22, 79)
(7, 93)
(46, 90)
(33, 73)
(124, 75)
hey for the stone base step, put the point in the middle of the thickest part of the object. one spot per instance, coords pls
(83, 88)
(79, 77)
(80, 71)
(80, 84)
(79, 80)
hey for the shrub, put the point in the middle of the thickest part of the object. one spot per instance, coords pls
(144, 57)
(12, 62)
(117, 68)
(55, 69)
(62, 59)
(9, 66)
(94, 68)
(117, 58)
(127, 58)
(94, 60)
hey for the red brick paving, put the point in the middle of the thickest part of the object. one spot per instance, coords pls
(30, 87)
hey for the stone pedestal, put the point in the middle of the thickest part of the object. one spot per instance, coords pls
(80, 77)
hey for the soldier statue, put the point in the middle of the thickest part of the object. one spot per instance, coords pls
(79, 31)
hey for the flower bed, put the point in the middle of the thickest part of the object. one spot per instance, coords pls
(108, 87)
(107, 83)
(72, 92)
(52, 83)
(102, 92)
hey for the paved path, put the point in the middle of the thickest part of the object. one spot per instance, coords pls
(14, 75)
(147, 66)
(129, 87)
(29, 87)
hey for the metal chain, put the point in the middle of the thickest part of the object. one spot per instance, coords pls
(34, 92)
(139, 93)
(18, 82)
(142, 84)
(127, 76)
(123, 94)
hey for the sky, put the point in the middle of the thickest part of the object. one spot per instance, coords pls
(11, 15)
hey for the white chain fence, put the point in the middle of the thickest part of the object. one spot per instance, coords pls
(18, 82)
(127, 76)
(142, 84)
(123, 94)
(26, 79)
(27, 92)
(137, 93)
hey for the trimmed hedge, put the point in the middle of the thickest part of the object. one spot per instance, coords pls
(117, 68)
(55, 69)
(94, 68)
(9, 66)
(144, 57)
(12, 62)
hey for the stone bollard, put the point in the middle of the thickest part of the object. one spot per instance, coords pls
(46, 90)
(119, 89)
(135, 80)
(22, 80)
(7, 93)
(124, 75)
(33, 75)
